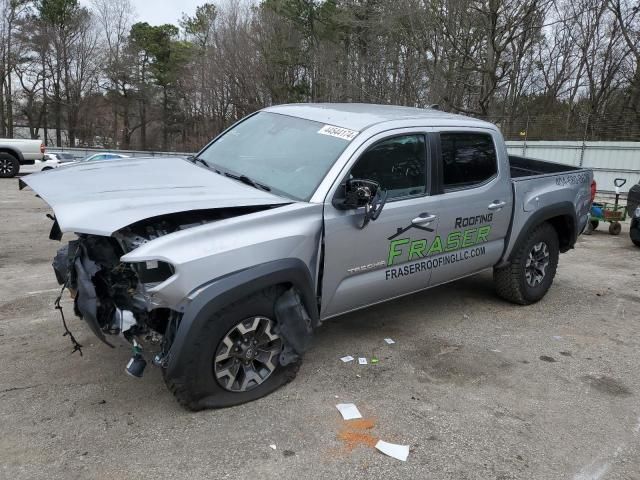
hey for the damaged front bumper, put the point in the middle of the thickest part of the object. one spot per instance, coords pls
(108, 294)
(74, 269)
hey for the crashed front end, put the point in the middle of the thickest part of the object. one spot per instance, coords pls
(115, 210)
(109, 294)
(115, 297)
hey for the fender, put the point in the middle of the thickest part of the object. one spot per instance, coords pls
(563, 209)
(213, 296)
(14, 152)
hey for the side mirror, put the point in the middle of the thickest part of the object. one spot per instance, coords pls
(363, 193)
(359, 193)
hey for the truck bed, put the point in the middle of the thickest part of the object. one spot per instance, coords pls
(529, 167)
(538, 184)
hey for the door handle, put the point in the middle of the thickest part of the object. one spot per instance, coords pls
(496, 205)
(423, 219)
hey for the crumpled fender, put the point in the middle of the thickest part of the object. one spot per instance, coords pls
(294, 326)
(206, 300)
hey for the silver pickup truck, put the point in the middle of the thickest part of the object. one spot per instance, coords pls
(296, 214)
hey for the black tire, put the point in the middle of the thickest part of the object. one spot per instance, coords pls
(47, 168)
(615, 228)
(636, 242)
(9, 165)
(512, 282)
(199, 388)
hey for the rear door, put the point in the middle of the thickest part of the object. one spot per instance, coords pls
(476, 201)
(384, 259)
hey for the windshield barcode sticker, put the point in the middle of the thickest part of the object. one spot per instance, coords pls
(343, 133)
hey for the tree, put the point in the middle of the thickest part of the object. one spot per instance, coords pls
(115, 18)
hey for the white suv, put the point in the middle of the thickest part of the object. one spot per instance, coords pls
(50, 161)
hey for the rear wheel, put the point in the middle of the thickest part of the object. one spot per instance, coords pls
(532, 269)
(235, 358)
(9, 165)
(615, 228)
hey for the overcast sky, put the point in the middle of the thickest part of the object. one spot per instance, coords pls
(157, 12)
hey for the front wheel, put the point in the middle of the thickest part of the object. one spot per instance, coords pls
(9, 165)
(236, 357)
(533, 266)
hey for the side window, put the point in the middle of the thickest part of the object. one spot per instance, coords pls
(468, 159)
(398, 164)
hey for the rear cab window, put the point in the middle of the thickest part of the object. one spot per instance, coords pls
(468, 159)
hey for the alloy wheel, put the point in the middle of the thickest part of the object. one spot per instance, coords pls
(247, 355)
(6, 166)
(536, 265)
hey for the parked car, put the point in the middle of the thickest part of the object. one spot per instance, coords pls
(16, 152)
(104, 156)
(633, 208)
(297, 214)
(62, 157)
(50, 161)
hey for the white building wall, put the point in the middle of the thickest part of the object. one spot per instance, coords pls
(609, 160)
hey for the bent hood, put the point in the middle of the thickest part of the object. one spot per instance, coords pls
(102, 197)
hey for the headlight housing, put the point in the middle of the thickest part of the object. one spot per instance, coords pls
(153, 271)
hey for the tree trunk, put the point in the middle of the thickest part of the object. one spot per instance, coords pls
(8, 72)
(44, 100)
(165, 122)
(143, 125)
(126, 127)
(3, 129)
(114, 139)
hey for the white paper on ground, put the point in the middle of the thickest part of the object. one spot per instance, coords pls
(401, 452)
(348, 411)
(272, 446)
(389, 341)
(362, 361)
(346, 359)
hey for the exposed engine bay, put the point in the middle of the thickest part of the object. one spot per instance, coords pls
(110, 295)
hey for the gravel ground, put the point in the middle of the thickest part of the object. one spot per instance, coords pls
(479, 388)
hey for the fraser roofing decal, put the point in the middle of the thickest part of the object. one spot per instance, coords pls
(339, 132)
(456, 247)
(431, 263)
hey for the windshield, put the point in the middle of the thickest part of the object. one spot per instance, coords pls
(287, 154)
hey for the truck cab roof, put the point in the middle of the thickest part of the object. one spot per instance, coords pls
(360, 116)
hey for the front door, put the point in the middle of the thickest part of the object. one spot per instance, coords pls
(383, 260)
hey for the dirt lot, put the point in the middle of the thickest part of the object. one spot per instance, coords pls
(479, 388)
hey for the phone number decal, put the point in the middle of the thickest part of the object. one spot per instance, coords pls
(577, 179)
